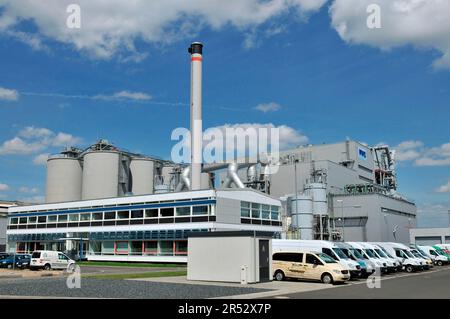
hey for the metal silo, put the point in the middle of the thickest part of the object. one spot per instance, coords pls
(302, 216)
(142, 176)
(318, 191)
(64, 179)
(101, 175)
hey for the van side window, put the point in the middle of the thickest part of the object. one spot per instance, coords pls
(62, 257)
(313, 260)
(329, 252)
(292, 257)
(398, 253)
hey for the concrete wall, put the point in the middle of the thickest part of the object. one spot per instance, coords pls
(399, 215)
(221, 258)
(429, 235)
(3, 225)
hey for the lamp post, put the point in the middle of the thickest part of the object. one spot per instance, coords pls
(342, 215)
(296, 193)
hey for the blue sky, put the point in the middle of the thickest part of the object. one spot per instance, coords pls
(328, 86)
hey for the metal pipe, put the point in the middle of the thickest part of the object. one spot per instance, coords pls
(233, 176)
(196, 51)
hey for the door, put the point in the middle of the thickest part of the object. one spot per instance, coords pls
(264, 270)
(313, 267)
(62, 261)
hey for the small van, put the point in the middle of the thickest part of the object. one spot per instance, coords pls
(367, 254)
(434, 255)
(47, 259)
(391, 263)
(308, 265)
(367, 267)
(323, 246)
(409, 262)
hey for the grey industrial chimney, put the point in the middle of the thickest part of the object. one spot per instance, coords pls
(196, 50)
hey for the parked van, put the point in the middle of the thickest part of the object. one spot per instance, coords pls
(323, 246)
(47, 259)
(420, 255)
(409, 262)
(442, 252)
(391, 263)
(367, 267)
(434, 255)
(370, 256)
(308, 265)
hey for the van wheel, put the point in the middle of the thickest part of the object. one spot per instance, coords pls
(279, 275)
(440, 263)
(409, 268)
(47, 267)
(327, 278)
(71, 268)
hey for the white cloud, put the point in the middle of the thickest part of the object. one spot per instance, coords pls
(28, 190)
(125, 95)
(424, 24)
(64, 139)
(111, 27)
(18, 146)
(41, 159)
(34, 139)
(289, 137)
(421, 155)
(444, 189)
(36, 199)
(35, 132)
(8, 95)
(268, 107)
(4, 187)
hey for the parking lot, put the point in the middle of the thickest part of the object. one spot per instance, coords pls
(427, 284)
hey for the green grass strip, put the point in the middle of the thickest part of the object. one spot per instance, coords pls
(127, 264)
(154, 274)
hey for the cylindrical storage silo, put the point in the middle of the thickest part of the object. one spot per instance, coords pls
(302, 216)
(64, 178)
(318, 192)
(100, 175)
(142, 176)
(205, 181)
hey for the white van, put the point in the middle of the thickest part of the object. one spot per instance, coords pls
(391, 263)
(367, 254)
(329, 248)
(409, 262)
(434, 255)
(367, 267)
(47, 259)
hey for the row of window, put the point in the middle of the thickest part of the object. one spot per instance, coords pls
(138, 248)
(125, 235)
(118, 206)
(259, 211)
(202, 210)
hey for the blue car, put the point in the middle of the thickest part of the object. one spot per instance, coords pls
(20, 261)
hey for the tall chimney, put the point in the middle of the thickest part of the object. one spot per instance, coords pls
(196, 50)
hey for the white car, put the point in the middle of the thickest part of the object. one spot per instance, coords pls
(47, 259)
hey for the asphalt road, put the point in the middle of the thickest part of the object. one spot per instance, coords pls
(100, 270)
(433, 284)
(106, 288)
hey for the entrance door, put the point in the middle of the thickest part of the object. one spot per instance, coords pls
(264, 270)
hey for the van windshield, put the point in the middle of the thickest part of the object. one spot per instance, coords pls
(326, 258)
(380, 253)
(370, 253)
(407, 253)
(36, 254)
(356, 253)
(340, 253)
(386, 253)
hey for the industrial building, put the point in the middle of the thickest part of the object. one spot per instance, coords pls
(430, 236)
(4, 206)
(343, 191)
(106, 203)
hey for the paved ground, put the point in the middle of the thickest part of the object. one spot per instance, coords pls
(105, 288)
(433, 284)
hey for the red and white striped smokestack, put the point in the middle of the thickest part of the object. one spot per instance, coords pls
(196, 51)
